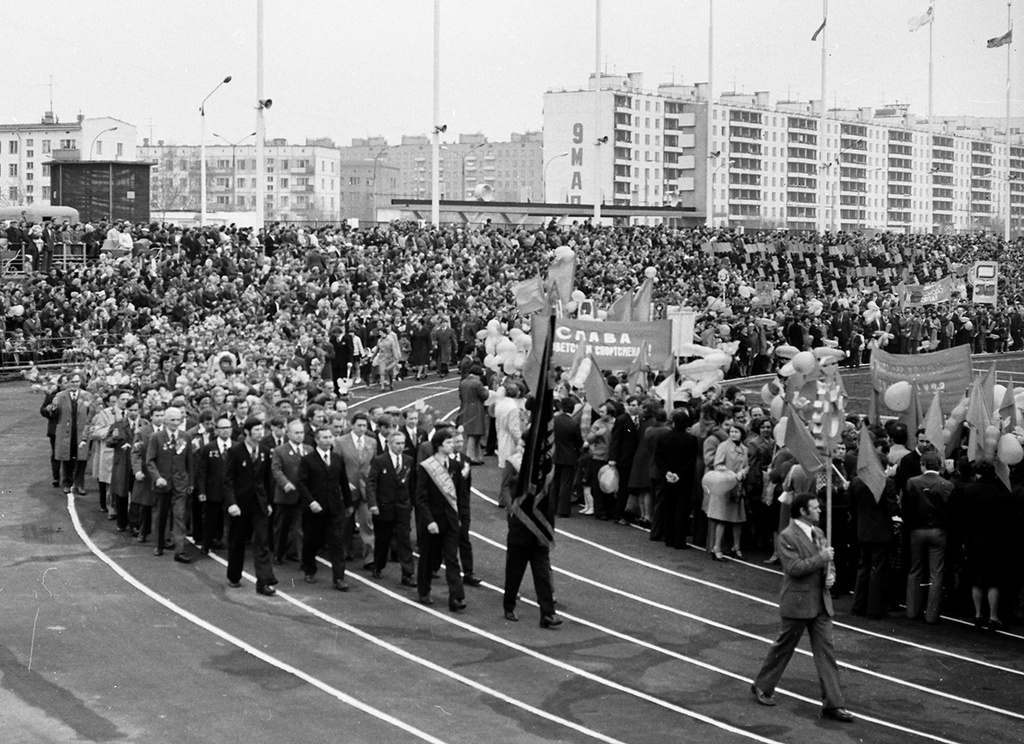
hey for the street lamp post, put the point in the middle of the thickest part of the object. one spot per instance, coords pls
(93, 143)
(544, 174)
(376, 159)
(202, 152)
(463, 156)
(234, 168)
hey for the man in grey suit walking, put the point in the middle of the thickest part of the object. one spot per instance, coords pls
(805, 604)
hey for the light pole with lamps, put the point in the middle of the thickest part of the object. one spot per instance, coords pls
(234, 169)
(717, 156)
(202, 152)
(93, 143)
(544, 173)
(373, 197)
(463, 156)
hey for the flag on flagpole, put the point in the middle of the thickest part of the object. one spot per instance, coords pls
(997, 41)
(637, 375)
(924, 19)
(540, 325)
(666, 390)
(531, 504)
(589, 379)
(820, 29)
(869, 468)
(913, 416)
(530, 296)
(621, 310)
(979, 414)
(933, 423)
(642, 301)
(560, 276)
(800, 443)
(1008, 408)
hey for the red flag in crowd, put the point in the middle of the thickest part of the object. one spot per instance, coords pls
(530, 504)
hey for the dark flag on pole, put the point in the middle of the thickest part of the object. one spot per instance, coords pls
(530, 504)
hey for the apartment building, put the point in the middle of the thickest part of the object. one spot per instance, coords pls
(772, 165)
(26, 151)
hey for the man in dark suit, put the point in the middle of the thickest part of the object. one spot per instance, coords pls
(568, 444)
(437, 521)
(926, 517)
(524, 549)
(169, 464)
(675, 461)
(140, 508)
(872, 520)
(624, 444)
(122, 477)
(324, 490)
(198, 436)
(462, 474)
(50, 414)
(909, 465)
(390, 503)
(805, 604)
(211, 462)
(284, 464)
(247, 486)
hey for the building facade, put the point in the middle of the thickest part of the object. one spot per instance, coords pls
(303, 182)
(510, 170)
(26, 151)
(768, 165)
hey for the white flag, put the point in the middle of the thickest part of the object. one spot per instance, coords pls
(922, 20)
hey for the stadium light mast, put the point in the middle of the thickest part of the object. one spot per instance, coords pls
(597, 111)
(435, 150)
(709, 186)
(202, 151)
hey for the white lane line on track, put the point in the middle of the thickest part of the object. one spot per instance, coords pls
(434, 384)
(776, 572)
(700, 717)
(697, 662)
(238, 642)
(759, 600)
(490, 691)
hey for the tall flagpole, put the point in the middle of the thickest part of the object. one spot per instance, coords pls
(261, 163)
(822, 185)
(931, 126)
(1009, 207)
(435, 149)
(597, 112)
(710, 175)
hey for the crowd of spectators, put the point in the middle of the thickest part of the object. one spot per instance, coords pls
(192, 287)
(285, 321)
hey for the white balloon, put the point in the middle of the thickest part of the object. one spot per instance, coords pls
(897, 396)
(494, 325)
(803, 362)
(999, 392)
(577, 296)
(1009, 450)
(780, 431)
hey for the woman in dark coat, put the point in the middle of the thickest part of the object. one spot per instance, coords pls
(419, 354)
(983, 512)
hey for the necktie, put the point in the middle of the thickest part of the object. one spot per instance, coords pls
(397, 462)
(361, 443)
(815, 540)
(174, 439)
(327, 459)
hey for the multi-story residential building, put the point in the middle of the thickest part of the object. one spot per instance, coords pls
(511, 170)
(26, 151)
(303, 182)
(767, 165)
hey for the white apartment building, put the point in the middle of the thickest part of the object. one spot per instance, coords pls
(768, 166)
(26, 151)
(303, 182)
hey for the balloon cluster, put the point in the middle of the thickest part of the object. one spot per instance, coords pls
(1000, 440)
(708, 369)
(810, 383)
(505, 353)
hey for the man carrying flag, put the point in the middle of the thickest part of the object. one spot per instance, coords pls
(531, 515)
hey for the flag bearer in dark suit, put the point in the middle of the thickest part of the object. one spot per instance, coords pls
(437, 520)
(247, 484)
(325, 493)
(169, 463)
(805, 604)
(211, 463)
(284, 465)
(387, 495)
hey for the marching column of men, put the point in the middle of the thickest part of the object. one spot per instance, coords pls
(359, 493)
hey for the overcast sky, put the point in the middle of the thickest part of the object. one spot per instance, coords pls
(353, 68)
